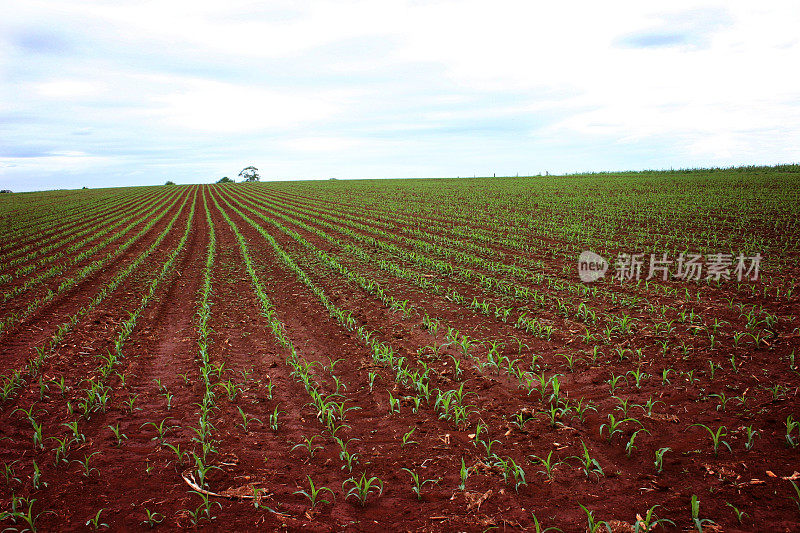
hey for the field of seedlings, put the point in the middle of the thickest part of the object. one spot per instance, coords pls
(404, 355)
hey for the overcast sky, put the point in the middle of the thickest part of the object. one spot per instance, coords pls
(113, 93)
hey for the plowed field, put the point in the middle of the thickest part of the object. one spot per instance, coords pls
(403, 355)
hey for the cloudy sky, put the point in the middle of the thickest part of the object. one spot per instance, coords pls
(115, 93)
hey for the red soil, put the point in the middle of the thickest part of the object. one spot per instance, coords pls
(142, 474)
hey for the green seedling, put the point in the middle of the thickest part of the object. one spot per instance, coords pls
(131, 401)
(180, 455)
(362, 488)
(463, 475)
(649, 405)
(152, 518)
(36, 479)
(613, 382)
(751, 434)
(394, 404)
(612, 426)
(547, 463)
(86, 468)
(694, 507)
(247, 420)
(95, 523)
(273, 419)
(347, 457)
(588, 464)
(793, 441)
(716, 437)
(629, 447)
(308, 444)
(594, 525)
(416, 484)
(739, 514)
(117, 434)
(651, 521)
(77, 436)
(313, 493)
(9, 474)
(406, 440)
(205, 510)
(161, 429)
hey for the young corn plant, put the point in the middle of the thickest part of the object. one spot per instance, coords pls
(202, 469)
(648, 406)
(152, 518)
(510, 469)
(246, 420)
(18, 513)
(95, 523)
(777, 391)
(161, 429)
(118, 435)
(9, 474)
(792, 427)
(394, 404)
(487, 445)
(313, 493)
(205, 510)
(406, 439)
(659, 460)
(651, 521)
(629, 446)
(347, 457)
(180, 455)
(273, 419)
(739, 514)
(130, 403)
(231, 389)
(168, 396)
(35, 425)
(594, 525)
(723, 400)
(521, 418)
(36, 479)
(638, 376)
(751, 434)
(716, 437)
(796, 496)
(86, 468)
(308, 444)
(417, 484)
(269, 386)
(624, 406)
(62, 449)
(547, 463)
(613, 381)
(361, 488)
(694, 508)
(581, 409)
(612, 427)
(463, 475)
(537, 527)
(589, 465)
(554, 414)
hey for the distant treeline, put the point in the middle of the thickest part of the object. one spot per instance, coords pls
(793, 168)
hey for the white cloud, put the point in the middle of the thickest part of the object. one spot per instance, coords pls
(308, 84)
(68, 89)
(210, 106)
(321, 144)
